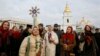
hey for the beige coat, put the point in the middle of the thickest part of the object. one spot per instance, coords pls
(33, 51)
(51, 47)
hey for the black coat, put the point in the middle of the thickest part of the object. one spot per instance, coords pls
(97, 37)
(89, 49)
(58, 46)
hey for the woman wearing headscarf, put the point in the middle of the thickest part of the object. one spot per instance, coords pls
(89, 46)
(68, 42)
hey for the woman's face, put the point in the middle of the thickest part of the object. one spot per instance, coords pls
(15, 28)
(35, 31)
(88, 28)
(69, 30)
(6, 26)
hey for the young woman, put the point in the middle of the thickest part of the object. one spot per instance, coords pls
(31, 44)
(68, 42)
(89, 43)
(4, 38)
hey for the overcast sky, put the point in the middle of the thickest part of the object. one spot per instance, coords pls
(52, 10)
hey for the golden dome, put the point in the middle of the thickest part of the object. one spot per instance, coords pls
(67, 9)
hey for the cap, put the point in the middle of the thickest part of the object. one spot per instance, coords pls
(56, 25)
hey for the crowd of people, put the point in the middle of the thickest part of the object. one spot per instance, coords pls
(38, 41)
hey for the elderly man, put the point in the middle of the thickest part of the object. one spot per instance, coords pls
(51, 39)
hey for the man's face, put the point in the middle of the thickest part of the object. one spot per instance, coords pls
(97, 30)
(40, 27)
(56, 28)
(30, 30)
(50, 28)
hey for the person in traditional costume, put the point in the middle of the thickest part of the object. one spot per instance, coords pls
(31, 45)
(88, 44)
(51, 40)
(68, 42)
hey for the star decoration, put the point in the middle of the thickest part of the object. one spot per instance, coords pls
(34, 11)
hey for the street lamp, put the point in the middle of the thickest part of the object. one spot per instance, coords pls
(34, 11)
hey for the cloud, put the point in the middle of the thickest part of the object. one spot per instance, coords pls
(52, 10)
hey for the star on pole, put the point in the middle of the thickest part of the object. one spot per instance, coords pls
(34, 11)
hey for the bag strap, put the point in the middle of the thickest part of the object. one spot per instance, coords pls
(28, 47)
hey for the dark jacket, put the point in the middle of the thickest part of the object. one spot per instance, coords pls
(4, 40)
(90, 45)
(58, 46)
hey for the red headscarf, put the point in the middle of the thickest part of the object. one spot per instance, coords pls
(88, 34)
(69, 37)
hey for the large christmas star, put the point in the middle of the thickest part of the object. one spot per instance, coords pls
(34, 11)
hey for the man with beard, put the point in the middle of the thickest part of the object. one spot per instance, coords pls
(41, 30)
(51, 40)
(59, 33)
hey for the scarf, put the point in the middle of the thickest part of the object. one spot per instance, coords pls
(68, 38)
(88, 37)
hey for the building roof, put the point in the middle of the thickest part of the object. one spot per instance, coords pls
(16, 20)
